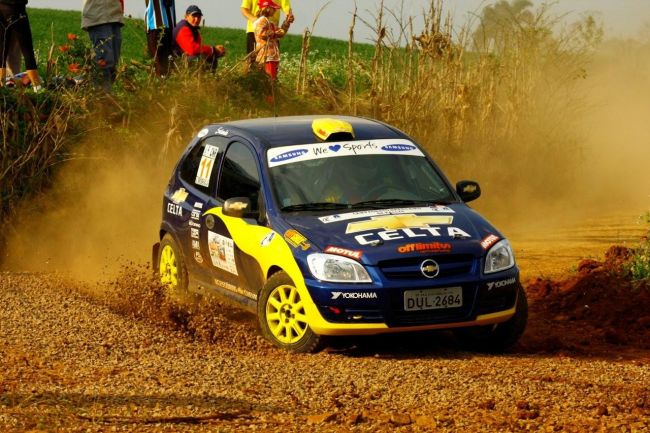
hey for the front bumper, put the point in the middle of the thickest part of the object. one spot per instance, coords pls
(381, 309)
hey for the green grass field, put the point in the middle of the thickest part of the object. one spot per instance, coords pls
(50, 27)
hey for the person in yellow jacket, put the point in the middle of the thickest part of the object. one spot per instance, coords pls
(250, 9)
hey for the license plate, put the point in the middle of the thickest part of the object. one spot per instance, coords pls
(433, 299)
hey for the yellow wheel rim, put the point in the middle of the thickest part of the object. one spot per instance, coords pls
(168, 268)
(285, 314)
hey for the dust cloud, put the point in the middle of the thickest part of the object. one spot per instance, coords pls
(105, 210)
(607, 147)
(102, 213)
(617, 146)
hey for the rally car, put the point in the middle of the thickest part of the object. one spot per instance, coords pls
(328, 226)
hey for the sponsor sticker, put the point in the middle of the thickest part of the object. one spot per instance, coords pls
(425, 247)
(397, 211)
(286, 156)
(196, 245)
(202, 133)
(194, 233)
(417, 232)
(353, 254)
(198, 257)
(222, 252)
(179, 196)
(488, 241)
(306, 152)
(393, 222)
(228, 286)
(354, 295)
(497, 284)
(266, 240)
(194, 224)
(222, 131)
(196, 214)
(204, 171)
(174, 209)
(398, 147)
(296, 240)
(198, 205)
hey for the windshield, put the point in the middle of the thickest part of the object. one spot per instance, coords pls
(377, 179)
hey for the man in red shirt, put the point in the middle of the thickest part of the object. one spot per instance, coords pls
(188, 41)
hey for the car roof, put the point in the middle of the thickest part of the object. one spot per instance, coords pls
(292, 130)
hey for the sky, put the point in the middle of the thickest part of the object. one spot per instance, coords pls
(622, 18)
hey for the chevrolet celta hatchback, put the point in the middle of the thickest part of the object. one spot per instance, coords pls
(335, 226)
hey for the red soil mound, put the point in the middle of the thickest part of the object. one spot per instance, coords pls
(597, 311)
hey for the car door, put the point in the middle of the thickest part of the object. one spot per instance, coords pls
(198, 177)
(235, 273)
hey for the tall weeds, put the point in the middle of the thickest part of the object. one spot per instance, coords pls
(501, 113)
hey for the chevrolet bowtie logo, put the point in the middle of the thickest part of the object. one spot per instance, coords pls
(430, 268)
(392, 222)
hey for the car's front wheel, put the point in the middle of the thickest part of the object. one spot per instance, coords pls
(500, 336)
(281, 316)
(171, 267)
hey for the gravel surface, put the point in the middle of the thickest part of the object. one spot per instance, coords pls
(71, 360)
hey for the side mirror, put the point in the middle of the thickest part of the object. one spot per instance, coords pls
(468, 190)
(237, 207)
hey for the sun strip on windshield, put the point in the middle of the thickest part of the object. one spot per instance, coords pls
(306, 152)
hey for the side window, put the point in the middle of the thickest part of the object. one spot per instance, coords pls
(200, 166)
(239, 175)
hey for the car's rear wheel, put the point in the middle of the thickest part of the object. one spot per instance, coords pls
(281, 316)
(171, 266)
(498, 337)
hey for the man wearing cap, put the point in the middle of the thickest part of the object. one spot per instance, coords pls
(188, 41)
(250, 10)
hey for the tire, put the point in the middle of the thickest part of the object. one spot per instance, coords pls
(498, 337)
(281, 316)
(171, 267)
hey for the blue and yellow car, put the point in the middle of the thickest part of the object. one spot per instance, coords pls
(328, 226)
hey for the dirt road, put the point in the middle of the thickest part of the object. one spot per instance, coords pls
(72, 360)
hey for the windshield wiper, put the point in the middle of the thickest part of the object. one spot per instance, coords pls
(314, 206)
(386, 203)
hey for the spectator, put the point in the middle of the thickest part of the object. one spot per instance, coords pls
(103, 20)
(14, 26)
(250, 9)
(266, 37)
(188, 41)
(160, 17)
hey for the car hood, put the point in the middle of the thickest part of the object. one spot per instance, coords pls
(373, 235)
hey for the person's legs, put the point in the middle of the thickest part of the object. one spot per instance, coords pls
(24, 34)
(5, 12)
(250, 42)
(271, 69)
(117, 47)
(159, 43)
(101, 37)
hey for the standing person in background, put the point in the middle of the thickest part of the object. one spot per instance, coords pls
(250, 10)
(189, 43)
(14, 25)
(266, 38)
(160, 17)
(103, 20)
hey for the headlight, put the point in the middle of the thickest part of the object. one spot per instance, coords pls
(337, 269)
(499, 258)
